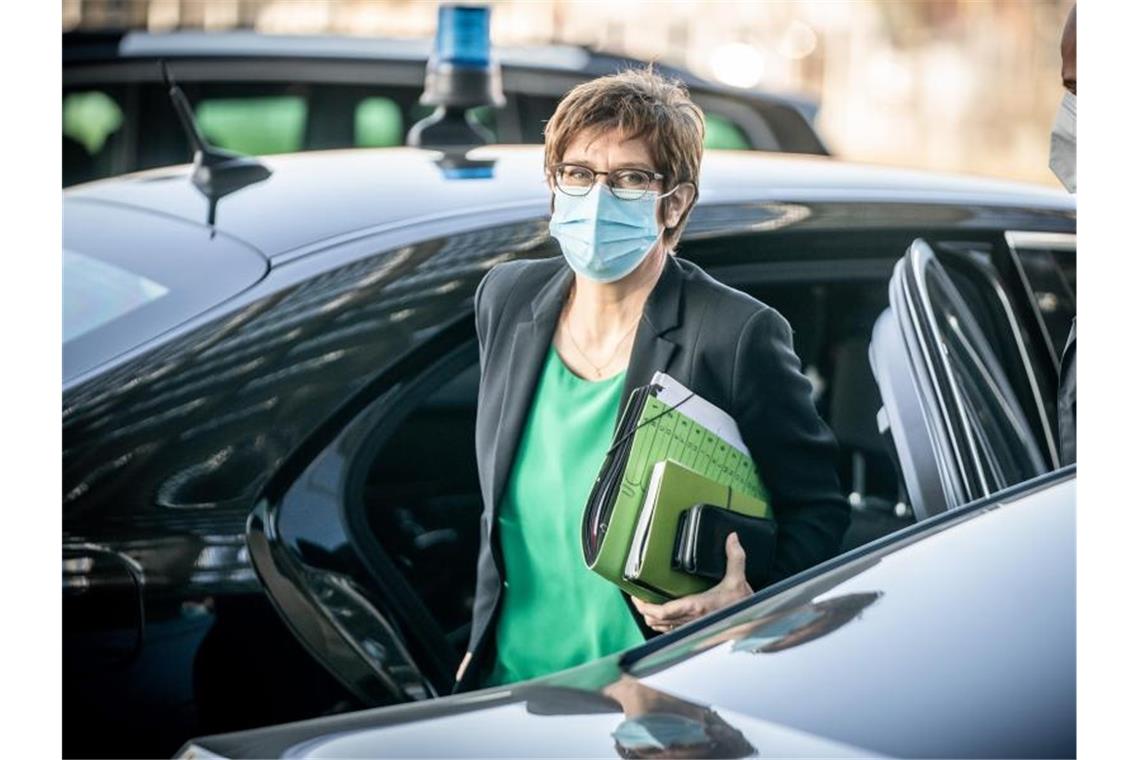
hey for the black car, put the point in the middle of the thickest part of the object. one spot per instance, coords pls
(264, 94)
(262, 390)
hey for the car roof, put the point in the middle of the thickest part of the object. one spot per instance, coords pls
(81, 47)
(246, 43)
(313, 199)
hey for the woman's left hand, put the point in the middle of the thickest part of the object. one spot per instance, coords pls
(733, 587)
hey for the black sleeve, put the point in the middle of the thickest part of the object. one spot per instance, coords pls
(794, 450)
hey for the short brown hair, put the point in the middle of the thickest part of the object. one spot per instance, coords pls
(638, 103)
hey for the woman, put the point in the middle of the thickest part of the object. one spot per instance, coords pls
(562, 344)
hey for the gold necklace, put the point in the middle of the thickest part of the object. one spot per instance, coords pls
(570, 334)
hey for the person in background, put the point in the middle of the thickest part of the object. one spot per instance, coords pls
(1063, 162)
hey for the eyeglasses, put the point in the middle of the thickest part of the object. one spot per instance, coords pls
(626, 184)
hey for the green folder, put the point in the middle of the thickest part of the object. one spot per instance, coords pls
(672, 489)
(650, 432)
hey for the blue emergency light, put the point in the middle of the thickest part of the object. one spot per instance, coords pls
(461, 72)
(463, 36)
(461, 75)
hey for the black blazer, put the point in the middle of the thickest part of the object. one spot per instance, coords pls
(721, 343)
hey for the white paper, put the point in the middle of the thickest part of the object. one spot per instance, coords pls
(700, 411)
(641, 533)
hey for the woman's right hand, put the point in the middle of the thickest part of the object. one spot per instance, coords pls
(732, 588)
(463, 667)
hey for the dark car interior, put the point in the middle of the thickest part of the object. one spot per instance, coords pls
(425, 511)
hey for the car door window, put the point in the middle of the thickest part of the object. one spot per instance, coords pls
(254, 125)
(378, 123)
(1009, 325)
(996, 444)
(958, 430)
(1048, 263)
(998, 433)
(533, 112)
(721, 133)
(92, 120)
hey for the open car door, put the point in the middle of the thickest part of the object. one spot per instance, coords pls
(332, 557)
(954, 421)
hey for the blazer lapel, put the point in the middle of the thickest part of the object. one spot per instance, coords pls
(531, 341)
(651, 349)
(529, 348)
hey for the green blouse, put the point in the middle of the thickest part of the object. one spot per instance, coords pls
(555, 612)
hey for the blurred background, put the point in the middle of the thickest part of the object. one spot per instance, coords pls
(959, 85)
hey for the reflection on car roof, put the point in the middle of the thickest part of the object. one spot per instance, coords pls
(320, 196)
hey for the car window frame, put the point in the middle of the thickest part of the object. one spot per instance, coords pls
(910, 293)
(978, 361)
(1018, 240)
(1002, 304)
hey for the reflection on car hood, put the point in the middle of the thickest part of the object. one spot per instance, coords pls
(956, 638)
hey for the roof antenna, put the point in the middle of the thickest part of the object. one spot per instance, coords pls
(217, 172)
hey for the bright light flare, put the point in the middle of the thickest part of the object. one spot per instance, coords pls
(737, 64)
(799, 41)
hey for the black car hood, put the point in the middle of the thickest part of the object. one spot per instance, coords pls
(955, 638)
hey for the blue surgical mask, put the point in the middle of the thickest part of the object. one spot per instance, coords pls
(603, 237)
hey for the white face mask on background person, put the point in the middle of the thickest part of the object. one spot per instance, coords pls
(1063, 143)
